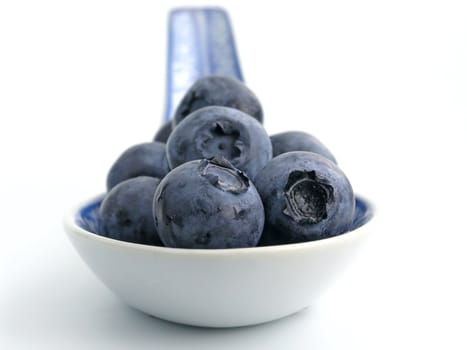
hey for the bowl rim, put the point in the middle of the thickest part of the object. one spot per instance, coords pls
(72, 227)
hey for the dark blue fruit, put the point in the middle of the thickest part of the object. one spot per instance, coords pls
(126, 212)
(145, 159)
(219, 91)
(298, 141)
(163, 133)
(220, 131)
(208, 204)
(306, 197)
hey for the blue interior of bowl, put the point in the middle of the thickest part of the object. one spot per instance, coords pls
(88, 216)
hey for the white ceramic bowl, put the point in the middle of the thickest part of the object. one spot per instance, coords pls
(215, 288)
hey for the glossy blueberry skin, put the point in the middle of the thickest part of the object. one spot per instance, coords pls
(208, 204)
(306, 197)
(220, 131)
(219, 91)
(163, 133)
(290, 141)
(126, 211)
(145, 159)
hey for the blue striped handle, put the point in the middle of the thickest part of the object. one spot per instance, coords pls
(200, 43)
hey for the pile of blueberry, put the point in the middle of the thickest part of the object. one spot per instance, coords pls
(213, 178)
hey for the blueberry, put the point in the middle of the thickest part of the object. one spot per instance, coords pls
(208, 204)
(163, 133)
(126, 211)
(306, 197)
(220, 131)
(219, 91)
(147, 159)
(298, 141)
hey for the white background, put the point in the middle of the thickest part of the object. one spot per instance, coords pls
(382, 83)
